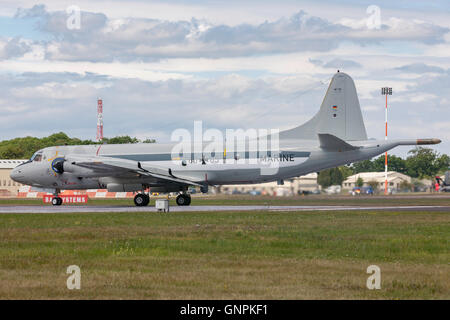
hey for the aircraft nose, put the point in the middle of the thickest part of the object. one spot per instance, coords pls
(17, 175)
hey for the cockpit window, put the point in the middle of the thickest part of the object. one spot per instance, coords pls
(36, 157)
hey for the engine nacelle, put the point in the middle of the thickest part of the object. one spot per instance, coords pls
(61, 165)
(78, 171)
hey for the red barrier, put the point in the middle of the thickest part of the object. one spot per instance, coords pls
(67, 199)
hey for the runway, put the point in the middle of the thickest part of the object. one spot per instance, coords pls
(106, 209)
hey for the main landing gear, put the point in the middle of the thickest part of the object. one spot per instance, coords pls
(141, 200)
(183, 199)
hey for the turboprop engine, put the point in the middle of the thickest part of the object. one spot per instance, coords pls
(61, 165)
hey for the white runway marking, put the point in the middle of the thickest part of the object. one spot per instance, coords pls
(81, 209)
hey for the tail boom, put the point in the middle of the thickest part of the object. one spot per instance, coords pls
(418, 142)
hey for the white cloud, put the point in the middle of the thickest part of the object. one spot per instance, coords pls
(420, 97)
(53, 90)
(136, 39)
(12, 48)
(114, 69)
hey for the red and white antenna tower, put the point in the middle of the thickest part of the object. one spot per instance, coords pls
(386, 92)
(99, 119)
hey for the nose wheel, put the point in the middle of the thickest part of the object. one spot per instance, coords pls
(141, 200)
(57, 201)
(183, 199)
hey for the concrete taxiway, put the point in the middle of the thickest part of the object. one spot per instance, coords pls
(88, 208)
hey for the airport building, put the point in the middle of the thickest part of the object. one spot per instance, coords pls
(8, 187)
(395, 179)
(290, 187)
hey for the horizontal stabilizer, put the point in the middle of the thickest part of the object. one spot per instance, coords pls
(328, 142)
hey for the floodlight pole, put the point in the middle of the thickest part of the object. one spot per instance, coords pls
(386, 91)
(99, 120)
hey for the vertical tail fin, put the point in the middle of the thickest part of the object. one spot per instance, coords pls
(339, 115)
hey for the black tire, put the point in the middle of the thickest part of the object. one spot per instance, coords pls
(147, 200)
(56, 201)
(141, 200)
(183, 200)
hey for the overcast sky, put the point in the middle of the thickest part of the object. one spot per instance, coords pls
(160, 65)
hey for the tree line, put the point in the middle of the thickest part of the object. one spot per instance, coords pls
(23, 148)
(421, 163)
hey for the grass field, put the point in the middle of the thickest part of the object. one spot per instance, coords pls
(226, 255)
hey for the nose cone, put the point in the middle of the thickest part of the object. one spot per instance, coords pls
(17, 175)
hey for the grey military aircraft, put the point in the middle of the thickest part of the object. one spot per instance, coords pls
(335, 136)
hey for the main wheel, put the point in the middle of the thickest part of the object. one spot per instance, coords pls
(57, 201)
(141, 200)
(183, 200)
(147, 200)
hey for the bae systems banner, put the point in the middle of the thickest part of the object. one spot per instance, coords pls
(67, 199)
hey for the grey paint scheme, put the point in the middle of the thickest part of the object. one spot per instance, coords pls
(334, 136)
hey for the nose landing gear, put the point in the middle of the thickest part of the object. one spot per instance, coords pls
(57, 201)
(141, 200)
(183, 199)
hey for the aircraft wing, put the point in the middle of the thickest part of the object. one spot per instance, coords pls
(108, 165)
